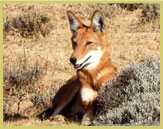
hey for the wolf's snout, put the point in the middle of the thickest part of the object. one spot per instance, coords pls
(73, 60)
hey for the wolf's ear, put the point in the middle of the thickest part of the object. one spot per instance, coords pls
(75, 23)
(98, 21)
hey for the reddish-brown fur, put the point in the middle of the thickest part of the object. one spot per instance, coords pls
(85, 78)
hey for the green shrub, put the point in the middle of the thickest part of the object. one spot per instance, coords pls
(21, 75)
(29, 25)
(130, 7)
(134, 98)
(149, 12)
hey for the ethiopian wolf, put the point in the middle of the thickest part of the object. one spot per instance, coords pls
(91, 59)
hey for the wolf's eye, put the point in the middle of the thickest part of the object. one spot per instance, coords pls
(89, 42)
(74, 43)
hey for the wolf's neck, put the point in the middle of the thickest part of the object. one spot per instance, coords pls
(100, 74)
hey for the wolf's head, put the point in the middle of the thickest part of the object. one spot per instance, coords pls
(89, 42)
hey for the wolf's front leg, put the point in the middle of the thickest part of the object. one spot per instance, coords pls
(88, 99)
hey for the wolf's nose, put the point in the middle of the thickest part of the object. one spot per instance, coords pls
(73, 60)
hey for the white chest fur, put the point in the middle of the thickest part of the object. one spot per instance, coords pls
(88, 94)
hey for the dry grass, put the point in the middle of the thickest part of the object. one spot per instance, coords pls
(36, 66)
(36, 122)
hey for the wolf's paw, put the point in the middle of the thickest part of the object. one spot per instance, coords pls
(57, 118)
(86, 121)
